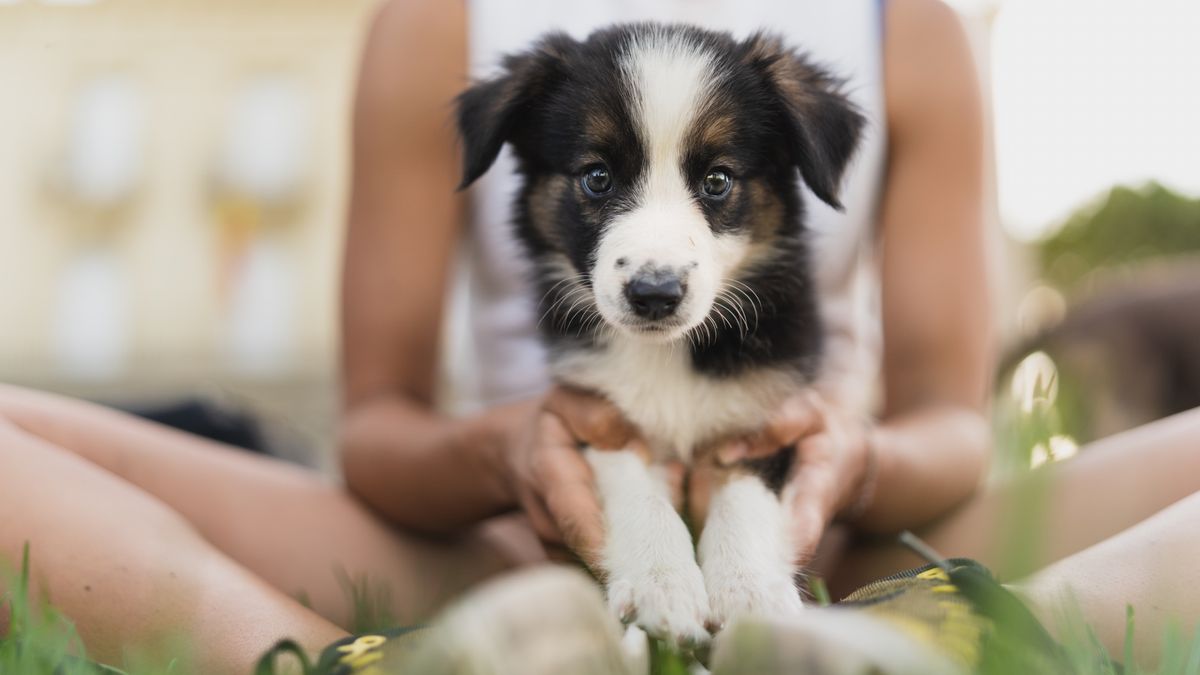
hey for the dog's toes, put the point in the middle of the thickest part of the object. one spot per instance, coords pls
(668, 609)
(713, 624)
(621, 600)
(694, 641)
(764, 600)
(680, 625)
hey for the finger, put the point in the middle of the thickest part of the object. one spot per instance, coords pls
(576, 513)
(810, 497)
(568, 491)
(554, 446)
(699, 492)
(798, 417)
(807, 526)
(673, 474)
(813, 477)
(590, 418)
(555, 457)
(561, 554)
(733, 451)
(540, 520)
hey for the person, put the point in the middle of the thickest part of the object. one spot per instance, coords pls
(138, 531)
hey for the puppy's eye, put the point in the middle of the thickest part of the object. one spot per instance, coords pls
(596, 180)
(717, 183)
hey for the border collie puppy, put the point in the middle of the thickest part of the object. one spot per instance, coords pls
(660, 204)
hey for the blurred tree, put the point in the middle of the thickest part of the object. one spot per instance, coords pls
(1126, 226)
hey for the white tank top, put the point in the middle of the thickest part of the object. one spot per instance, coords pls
(493, 348)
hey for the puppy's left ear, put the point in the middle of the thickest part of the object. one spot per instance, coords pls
(823, 124)
(491, 112)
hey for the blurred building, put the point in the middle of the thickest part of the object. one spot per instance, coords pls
(172, 183)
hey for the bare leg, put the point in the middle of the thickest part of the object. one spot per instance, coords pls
(108, 491)
(1151, 567)
(129, 571)
(1112, 485)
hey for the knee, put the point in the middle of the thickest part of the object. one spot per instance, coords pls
(8, 395)
(8, 424)
(15, 404)
(41, 413)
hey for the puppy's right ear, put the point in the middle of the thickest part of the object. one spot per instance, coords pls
(490, 112)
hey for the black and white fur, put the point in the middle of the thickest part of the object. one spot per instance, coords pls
(694, 312)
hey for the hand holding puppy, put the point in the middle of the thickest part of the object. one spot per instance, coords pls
(833, 473)
(553, 483)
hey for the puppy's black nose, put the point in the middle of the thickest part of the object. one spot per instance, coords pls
(654, 297)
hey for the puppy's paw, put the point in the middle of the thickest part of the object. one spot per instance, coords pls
(670, 604)
(766, 596)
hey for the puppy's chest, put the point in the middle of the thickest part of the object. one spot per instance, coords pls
(675, 407)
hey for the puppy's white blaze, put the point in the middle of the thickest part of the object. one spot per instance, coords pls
(671, 80)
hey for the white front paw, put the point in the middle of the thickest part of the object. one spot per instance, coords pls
(669, 603)
(735, 593)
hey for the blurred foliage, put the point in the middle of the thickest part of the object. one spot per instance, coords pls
(1125, 226)
(372, 602)
(40, 640)
(1031, 417)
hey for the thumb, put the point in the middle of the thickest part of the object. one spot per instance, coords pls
(796, 419)
(568, 492)
(806, 527)
(590, 419)
(810, 498)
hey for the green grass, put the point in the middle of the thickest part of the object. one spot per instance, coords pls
(666, 661)
(42, 641)
(1179, 655)
(372, 602)
(39, 639)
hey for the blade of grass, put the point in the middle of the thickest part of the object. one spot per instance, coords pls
(820, 592)
(1173, 652)
(1127, 653)
(1193, 663)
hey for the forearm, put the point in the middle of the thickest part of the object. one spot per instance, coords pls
(925, 463)
(425, 471)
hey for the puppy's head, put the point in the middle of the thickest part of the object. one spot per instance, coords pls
(660, 164)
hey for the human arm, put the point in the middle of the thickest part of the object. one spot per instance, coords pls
(933, 442)
(415, 466)
(419, 468)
